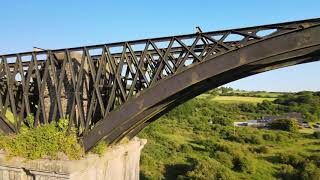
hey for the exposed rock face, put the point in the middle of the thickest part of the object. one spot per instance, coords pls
(120, 162)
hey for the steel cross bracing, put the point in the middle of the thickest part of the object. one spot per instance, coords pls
(87, 84)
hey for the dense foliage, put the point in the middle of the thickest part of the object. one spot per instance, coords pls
(285, 124)
(196, 141)
(307, 103)
(51, 141)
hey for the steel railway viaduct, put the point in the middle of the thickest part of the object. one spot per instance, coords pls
(111, 91)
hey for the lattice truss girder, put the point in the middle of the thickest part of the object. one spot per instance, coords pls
(85, 84)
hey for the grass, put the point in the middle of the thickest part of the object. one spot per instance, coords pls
(306, 130)
(240, 99)
(10, 117)
(184, 144)
(269, 94)
(167, 156)
(261, 93)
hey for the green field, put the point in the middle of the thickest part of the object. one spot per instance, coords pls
(241, 99)
(269, 94)
(235, 99)
(261, 93)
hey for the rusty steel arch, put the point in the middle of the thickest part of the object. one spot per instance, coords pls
(113, 90)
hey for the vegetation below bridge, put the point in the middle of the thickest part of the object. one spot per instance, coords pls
(197, 140)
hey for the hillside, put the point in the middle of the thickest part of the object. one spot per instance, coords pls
(197, 141)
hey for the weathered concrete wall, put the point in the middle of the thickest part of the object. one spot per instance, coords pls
(120, 162)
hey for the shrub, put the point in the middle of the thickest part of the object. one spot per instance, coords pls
(291, 159)
(310, 172)
(259, 149)
(100, 148)
(315, 158)
(185, 148)
(316, 134)
(254, 139)
(209, 144)
(209, 169)
(247, 107)
(225, 147)
(224, 158)
(281, 138)
(234, 138)
(47, 140)
(285, 124)
(30, 120)
(287, 172)
(245, 137)
(243, 164)
(269, 137)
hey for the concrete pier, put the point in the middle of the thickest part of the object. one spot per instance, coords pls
(121, 162)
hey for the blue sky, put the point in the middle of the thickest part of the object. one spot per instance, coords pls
(61, 23)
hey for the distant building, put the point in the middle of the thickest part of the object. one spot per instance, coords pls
(240, 123)
(268, 119)
(255, 123)
(292, 115)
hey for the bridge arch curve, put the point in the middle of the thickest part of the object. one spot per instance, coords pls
(293, 48)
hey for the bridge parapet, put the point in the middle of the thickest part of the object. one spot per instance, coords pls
(120, 162)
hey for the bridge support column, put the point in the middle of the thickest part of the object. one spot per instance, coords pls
(120, 162)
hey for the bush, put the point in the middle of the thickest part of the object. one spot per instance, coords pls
(185, 148)
(269, 137)
(263, 149)
(310, 172)
(209, 169)
(48, 140)
(291, 159)
(249, 138)
(316, 134)
(281, 138)
(100, 148)
(287, 172)
(225, 147)
(243, 164)
(285, 124)
(234, 138)
(247, 107)
(245, 137)
(224, 158)
(259, 149)
(254, 139)
(316, 159)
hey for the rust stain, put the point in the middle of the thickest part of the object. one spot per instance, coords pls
(194, 77)
(242, 59)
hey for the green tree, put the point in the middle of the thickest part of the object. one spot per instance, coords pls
(210, 169)
(290, 125)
